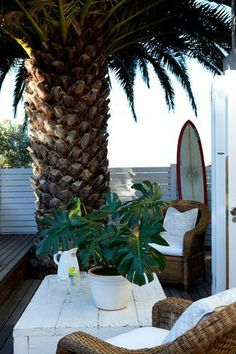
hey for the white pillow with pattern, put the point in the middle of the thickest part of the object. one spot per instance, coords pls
(177, 222)
(197, 312)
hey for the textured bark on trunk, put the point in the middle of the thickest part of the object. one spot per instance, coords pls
(67, 101)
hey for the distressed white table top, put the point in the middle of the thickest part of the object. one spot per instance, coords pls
(58, 308)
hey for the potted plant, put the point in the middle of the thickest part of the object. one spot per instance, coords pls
(114, 240)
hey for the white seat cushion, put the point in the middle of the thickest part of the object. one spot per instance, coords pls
(145, 337)
(198, 310)
(175, 247)
(178, 223)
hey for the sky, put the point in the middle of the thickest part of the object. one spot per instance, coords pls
(152, 140)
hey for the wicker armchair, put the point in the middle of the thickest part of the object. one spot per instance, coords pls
(216, 334)
(183, 270)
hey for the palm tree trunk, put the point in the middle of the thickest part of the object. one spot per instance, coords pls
(67, 102)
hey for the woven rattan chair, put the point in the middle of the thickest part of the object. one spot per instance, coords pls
(216, 334)
(184, 270)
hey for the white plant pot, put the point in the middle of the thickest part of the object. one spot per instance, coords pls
(110, 292)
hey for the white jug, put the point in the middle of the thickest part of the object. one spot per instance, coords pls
(67, 262)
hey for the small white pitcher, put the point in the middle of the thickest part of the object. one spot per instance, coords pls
(67, 261)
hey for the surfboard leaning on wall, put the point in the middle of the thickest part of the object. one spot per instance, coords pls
(191, 170)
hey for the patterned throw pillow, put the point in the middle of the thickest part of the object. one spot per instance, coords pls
(177, 222)
(198, 310)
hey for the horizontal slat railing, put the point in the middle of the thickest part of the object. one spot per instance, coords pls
(17, 200)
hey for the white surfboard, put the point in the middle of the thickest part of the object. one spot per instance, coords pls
(191, 170)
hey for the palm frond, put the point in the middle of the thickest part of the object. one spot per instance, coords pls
(175, 62)
(142, 63)
(132, 33)
(9, 59)
(34, 24)
(67, 13)
(25, 122)
(85, 11)
(141, 53)
(165, 83)
(125, 72)
(63, 26)
(128, 16)
(5, 66)
(19, 85)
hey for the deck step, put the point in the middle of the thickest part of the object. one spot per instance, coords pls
(14, 251)
(11, 311)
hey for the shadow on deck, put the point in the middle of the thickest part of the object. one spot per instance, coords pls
(17, 287)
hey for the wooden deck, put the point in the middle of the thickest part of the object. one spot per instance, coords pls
(13, 249)
(11, 311)
(16, 289)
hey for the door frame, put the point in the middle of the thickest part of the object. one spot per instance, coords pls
(218, 190)
(223, 181)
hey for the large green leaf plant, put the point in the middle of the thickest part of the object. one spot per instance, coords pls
(57, 231)
(116, 236)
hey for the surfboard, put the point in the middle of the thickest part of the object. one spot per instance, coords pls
(191, 170)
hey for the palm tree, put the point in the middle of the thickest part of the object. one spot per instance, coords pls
(63, 51)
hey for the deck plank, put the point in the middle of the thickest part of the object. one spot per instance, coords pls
(14, 252)
(11, 312)
(8, 346)
(8, 307)
(5, 243)
(7, 258)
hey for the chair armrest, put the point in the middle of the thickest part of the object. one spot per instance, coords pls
(193, 243)
(84, 343)
(166, 312)
(194, 239)
(203, 222)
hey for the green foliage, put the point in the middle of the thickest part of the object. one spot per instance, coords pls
(75, 207)
(117, 235)
(147, 206)
(122, 248)
(14, 143)
(58, 232)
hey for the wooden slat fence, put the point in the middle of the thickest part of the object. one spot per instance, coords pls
(17, 200)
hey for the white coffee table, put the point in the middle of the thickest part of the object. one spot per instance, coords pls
(57, 309)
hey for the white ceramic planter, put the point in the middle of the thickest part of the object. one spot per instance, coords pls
(110, 292)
